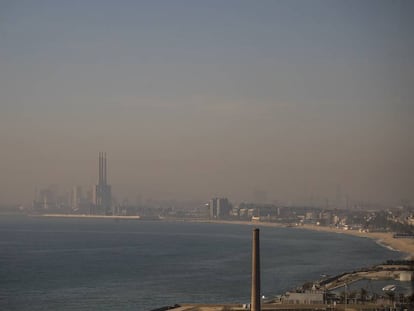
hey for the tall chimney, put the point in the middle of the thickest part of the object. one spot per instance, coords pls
(102, 168)
(99, 170)
(255, 298)
(105, 170)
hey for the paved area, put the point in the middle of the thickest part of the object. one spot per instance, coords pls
(278, 307)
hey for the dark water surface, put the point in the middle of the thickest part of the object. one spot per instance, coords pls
(87, 264)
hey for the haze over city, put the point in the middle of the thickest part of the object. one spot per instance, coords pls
(195, 99)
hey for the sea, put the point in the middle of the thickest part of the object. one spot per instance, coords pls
(101, 264)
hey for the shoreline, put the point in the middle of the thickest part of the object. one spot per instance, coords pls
(87, 216)
(384, 239)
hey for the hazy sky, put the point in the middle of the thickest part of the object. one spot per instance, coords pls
(193, 99)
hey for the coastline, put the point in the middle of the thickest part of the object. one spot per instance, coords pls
(385, 239)
(87, 216)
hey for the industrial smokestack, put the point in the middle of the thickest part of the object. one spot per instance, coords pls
(255, 298)
(105, 169)
(100, 169)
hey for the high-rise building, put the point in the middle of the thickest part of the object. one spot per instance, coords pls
(223, 208)
(213, 208)
(102, 192)
(219, 208)
(76, 198)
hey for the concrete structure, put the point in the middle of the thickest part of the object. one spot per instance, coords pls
(102, 191)
(307, 297)
(255, 297)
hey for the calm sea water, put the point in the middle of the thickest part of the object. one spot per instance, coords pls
(83, 264)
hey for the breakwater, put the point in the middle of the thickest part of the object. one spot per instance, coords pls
(390, 270)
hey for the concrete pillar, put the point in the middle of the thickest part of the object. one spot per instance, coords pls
(255, 298)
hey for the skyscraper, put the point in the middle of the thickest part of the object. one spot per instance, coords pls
(76, 197)
(219, 208)
(102, 195)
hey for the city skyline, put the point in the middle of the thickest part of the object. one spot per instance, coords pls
(273, 101)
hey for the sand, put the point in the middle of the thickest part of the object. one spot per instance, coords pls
(405, 246)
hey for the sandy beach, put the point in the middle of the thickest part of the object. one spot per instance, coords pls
(386, 239)
(403, 245)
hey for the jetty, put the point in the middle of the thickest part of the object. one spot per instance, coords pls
(391, 270)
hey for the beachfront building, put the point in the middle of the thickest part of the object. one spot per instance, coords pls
(219, 208)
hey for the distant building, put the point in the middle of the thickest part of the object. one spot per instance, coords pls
(219, 208)
(50, 199)
(325, 218)
(45, 199)
(213, 208)
(310, 216)
(76, 198)
(223, 208)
